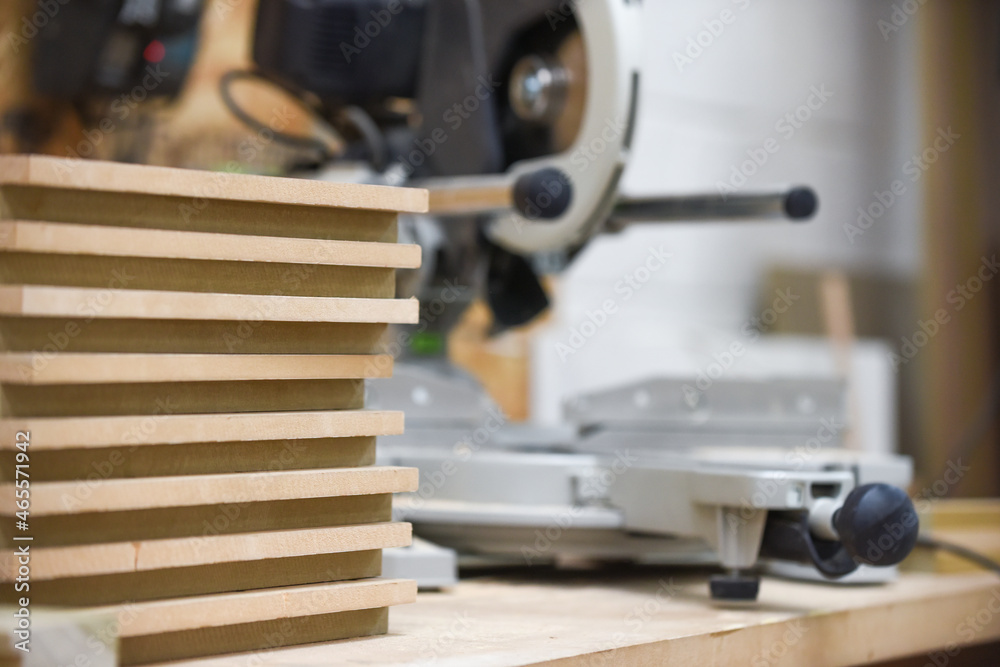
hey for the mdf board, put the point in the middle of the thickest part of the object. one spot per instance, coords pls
(79, 332)
(103, 511)
(94, 303)
(254, 620)
(156, 569)
(101, 257)
(160, 630)
(155, 555)
(195, 214)
(45, 253)
(141, 273)
(201, 520)
(65, 240)
(147, 398)
(59, 433)
(188, 352)
(90, 192)
(118, 179)
(73, 369)
(198, 458)
(124, 495)
(121, 588)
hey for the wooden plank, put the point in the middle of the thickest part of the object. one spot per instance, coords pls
(146, 211)
(982, 540)
(72, 239)
(54, 433)
(118, 495)
(110, 589)
(47, 336)
(182, 275)
(259, 636)
(466, 199)
(201, 520)
(38, 301)
(973, 523)
(113, 177)
(141, 556)
(662, 616)
(963, 513)
(196, 458)
(158, 398)
(70, 368)
(150, 618)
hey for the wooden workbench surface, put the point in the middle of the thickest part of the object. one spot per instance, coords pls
(659, 617)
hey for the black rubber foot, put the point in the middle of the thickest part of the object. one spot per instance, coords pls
(734, 587)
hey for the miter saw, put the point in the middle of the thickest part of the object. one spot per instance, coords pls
(519, 117)
(748, 475)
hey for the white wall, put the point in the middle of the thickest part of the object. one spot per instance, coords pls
(694, 126)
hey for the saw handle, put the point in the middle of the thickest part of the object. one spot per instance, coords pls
(796, 204)
(541, 195)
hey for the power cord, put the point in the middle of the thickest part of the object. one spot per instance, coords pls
(295, 141)
(355, 116)
(985, 562)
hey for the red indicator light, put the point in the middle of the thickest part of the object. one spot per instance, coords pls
(154, 51)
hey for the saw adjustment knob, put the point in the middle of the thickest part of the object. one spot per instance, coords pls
(543, 195)
(877, 525)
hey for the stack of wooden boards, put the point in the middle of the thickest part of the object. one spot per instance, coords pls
(187, 353)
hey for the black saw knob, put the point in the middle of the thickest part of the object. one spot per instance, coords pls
(543, 195)
(877, 524)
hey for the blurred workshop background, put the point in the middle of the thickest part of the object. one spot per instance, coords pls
(890, 109)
